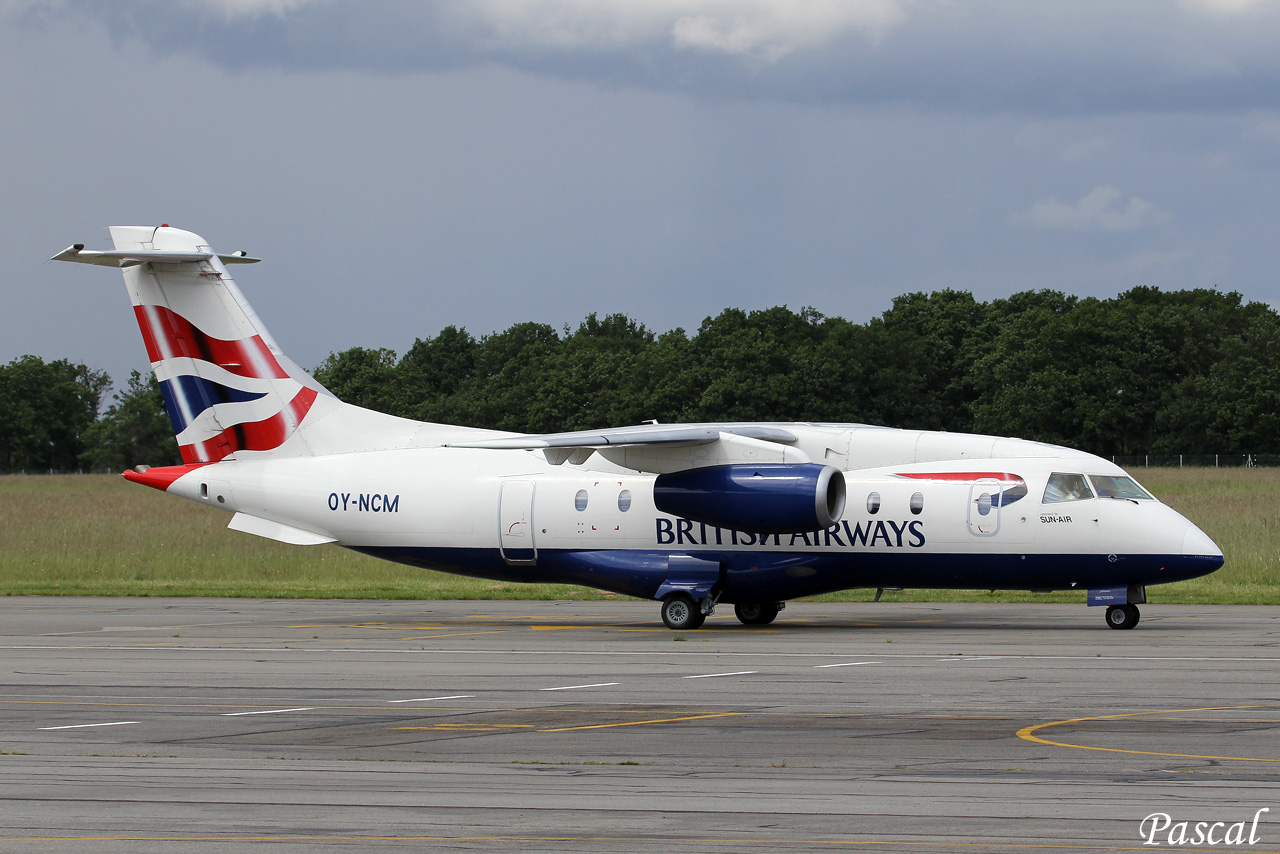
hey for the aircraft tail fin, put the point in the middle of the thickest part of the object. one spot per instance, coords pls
(231, 392)
(227, 386)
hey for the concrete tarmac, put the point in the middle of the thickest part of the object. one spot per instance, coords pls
(202, 725)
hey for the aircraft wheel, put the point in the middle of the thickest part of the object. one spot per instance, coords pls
(1122, 616)
(681, 613)
(756, 613)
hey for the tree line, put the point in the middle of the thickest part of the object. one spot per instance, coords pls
(1193, 371)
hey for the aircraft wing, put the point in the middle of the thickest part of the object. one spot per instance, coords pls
(660, 448)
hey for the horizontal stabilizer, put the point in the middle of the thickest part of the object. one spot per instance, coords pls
(134, 257)
(277, 531)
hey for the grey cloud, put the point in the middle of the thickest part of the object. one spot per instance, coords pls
(1088, 56)
(387, 205)
(1102, 209)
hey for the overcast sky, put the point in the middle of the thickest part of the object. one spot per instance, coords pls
(403, 165)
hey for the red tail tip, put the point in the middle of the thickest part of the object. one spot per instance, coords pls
(159, 478)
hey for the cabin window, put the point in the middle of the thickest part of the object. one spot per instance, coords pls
(1112, 486)
(624, 500)
(873, 503)
(917, 503)
(1066, 487)
(984, 504)
(580, 500)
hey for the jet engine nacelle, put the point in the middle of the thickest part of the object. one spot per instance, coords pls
(771, 498)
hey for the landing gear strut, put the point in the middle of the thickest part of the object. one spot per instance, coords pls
(757, 613)
(1122, 616)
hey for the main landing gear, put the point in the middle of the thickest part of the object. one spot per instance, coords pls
(681, 613)
(1122, 616)
(757, 613)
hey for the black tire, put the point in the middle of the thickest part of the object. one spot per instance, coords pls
(1123, 616)
(756, 613)
(680, 613)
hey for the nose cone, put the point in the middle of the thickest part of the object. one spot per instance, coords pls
(1198, 547)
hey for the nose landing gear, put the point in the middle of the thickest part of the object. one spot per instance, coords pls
(1122, 616)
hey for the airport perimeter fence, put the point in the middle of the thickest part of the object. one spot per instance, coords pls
(1196, 460)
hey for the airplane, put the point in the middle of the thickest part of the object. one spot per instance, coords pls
(690, 515)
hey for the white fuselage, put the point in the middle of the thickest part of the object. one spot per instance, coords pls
(511, 514)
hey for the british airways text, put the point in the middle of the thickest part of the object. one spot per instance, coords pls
(871, 534)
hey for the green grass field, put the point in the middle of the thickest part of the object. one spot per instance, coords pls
(98, 535)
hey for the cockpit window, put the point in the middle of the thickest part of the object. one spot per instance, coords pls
(1066, 487)
(1111, 486)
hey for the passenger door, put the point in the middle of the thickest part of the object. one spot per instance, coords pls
(986, 497)
(515, 522)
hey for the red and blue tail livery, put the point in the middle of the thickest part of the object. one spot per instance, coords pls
(692, 515)
(222, 396)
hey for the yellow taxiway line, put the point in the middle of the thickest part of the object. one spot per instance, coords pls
(1027, 733)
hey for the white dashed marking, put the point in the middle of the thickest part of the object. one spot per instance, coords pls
(429, 699)
(268, 712)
